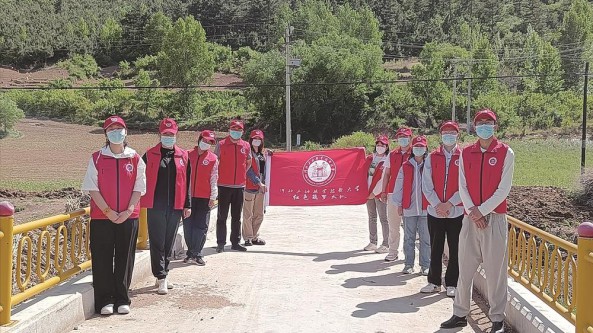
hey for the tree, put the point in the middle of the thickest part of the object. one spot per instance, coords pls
(156, 30)
(485, 65)
(10, 113)
(544, 63)
(577, 29)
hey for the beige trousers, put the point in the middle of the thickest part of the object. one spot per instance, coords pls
(395, 222)
(487, 247)
(253, 214)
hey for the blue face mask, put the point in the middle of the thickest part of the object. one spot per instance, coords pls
(117, 136)
(236, 135)
(403, 142)
(485, 132)
(418, 151)
(168, 141)
(449, 139)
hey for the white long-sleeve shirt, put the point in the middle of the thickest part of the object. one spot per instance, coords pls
(214, 182)
(91, 179)
(430, 193)
(415, 208)
(501, 193)
(372, 169)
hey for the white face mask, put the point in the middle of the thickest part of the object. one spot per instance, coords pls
(380, 150)
(256, 143)
(204, 146)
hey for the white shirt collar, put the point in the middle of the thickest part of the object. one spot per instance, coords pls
(128, 152)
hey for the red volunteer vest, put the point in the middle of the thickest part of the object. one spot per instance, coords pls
(483, 171)
(153, 161)
(445, 185)
(232, 169)
(396, 159)
(201, 169)
(116, 178)
(408, 183)
(377, 175)
(255, 166)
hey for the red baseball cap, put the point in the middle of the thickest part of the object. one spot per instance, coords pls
(168, 125)
(383, 139)
(236, 123)
(257, 134)
(113, 120)
(449, 125)
(485, 114)
(419, 141)
(403, 131)
(208, 135)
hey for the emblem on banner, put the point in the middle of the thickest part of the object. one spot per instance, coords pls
(319, 170)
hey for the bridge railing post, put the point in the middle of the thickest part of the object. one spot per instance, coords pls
(584, 287)
(143, 230)
(6, 239)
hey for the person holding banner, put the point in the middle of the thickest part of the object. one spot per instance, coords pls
(255, 189)
(204, 190)
(374, 204)
(390, 169)
(440, 185)
(234, 160)
(485, 180)
(411, 204)
(166, 199)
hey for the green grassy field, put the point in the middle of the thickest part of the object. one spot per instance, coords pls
(38, 185)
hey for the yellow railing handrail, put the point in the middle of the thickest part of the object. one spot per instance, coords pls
(42, 223)
(543, 235)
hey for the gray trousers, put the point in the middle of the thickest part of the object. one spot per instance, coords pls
(487, 247)
(375, 206)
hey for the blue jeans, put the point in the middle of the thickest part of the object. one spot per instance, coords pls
(413, 225)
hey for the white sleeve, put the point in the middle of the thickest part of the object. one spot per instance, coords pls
(140, 185)
(214, 182)
(504, 188)
(91, 178)
(428, 185)
(463, 191)
(387, 163)
(399, 188)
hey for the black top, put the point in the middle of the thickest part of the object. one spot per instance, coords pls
(261, 159)
(164, 193)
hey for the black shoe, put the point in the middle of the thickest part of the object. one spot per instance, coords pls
(220, 248)
(497, 327)
(454, 322)
(259, 241)
(200, 261)
(238, 247)
(186, 260)
(248, 243)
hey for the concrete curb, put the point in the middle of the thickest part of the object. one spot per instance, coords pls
(525, 311)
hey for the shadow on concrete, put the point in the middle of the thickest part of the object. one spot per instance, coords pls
(142, 291)
(319, 257)
(362, 267)
(388, 280)
(405, 304)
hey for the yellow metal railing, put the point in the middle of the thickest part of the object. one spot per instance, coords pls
(48, 252)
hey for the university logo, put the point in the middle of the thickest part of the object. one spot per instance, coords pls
(243, 151)
(319, 170)
(181, 163)
(492, 161)
(205, 162)
(113, 119)
(457, 162)
(168, 124)
(129, 167)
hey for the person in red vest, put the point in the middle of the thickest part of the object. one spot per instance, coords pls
(253, 205)
(411, 204)
(115, 179)
(391, 168)
(440, 185)
(374, 204)
(204, 190)
(234, 160)
(166, 198)
(485, 178)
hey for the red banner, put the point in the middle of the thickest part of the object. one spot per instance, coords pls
(318, 178)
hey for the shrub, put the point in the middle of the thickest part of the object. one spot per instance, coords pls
(81, 66)
(310, 145)
(356, 139)
(10, 114)
(583, 194)
(223, 57)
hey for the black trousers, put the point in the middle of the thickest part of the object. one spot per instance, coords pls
(113, 249)
(438, 228)
(232, 198)
(162, 229)
(195, 227)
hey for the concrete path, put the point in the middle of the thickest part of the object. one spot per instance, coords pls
(311, 277)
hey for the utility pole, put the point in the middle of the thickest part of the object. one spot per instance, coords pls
(454, 89)
(288, 125)
(469, 102)
(584, 134)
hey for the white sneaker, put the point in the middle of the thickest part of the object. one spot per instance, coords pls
(371, 247)
(107, 309)
(430, 288)
(382, 249)
(162, 288)
(123, 309)
(408, 270)
(170, 284)
(391, 257)
(424, 271)
(451, 291)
